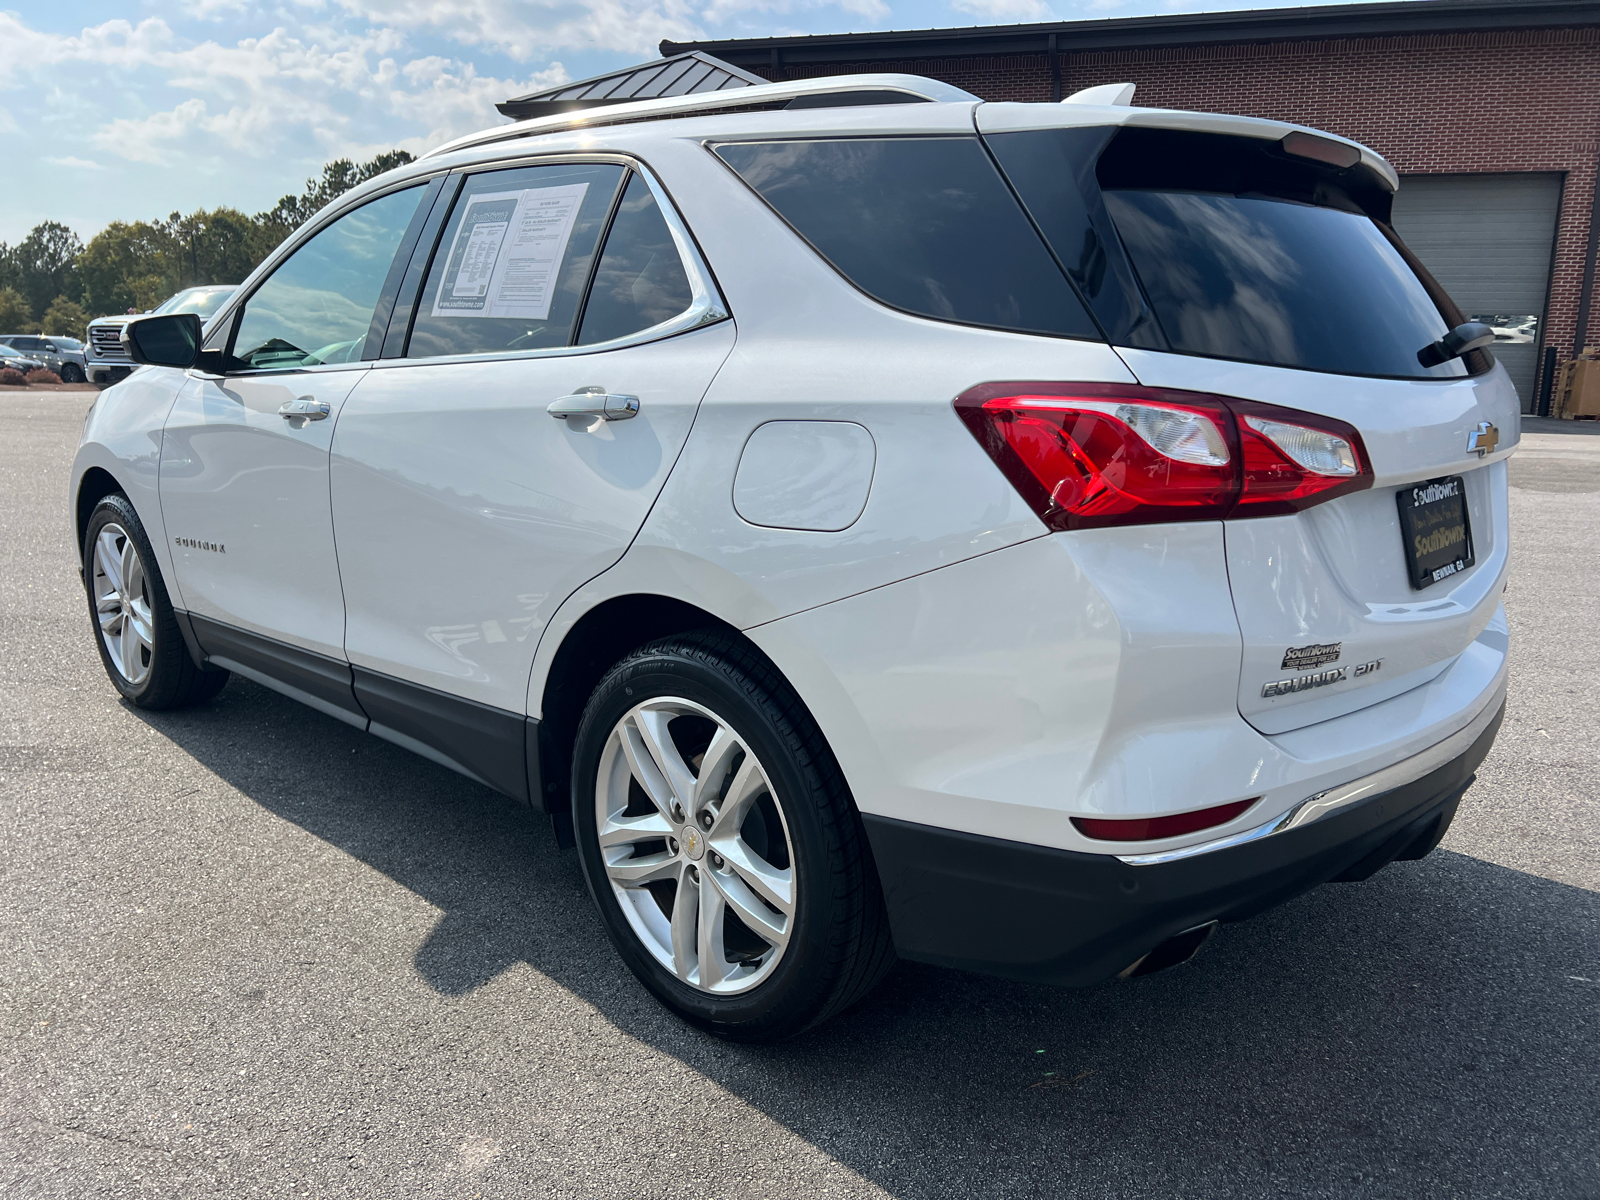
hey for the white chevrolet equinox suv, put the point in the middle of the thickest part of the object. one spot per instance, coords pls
(868, 521)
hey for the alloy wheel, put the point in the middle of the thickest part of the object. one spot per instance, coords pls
(695, 845)
(122, 604)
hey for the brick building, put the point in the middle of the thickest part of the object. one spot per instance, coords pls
(1489, 109)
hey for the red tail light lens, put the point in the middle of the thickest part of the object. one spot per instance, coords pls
(1088, 455)
(1148, 829)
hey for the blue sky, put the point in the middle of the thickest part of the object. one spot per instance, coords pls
(133, 110)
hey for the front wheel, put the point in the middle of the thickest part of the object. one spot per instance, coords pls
(721, 844)
(71, 373)
(140, 644)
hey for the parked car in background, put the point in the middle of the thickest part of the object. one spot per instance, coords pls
(105, 361)
(62, 355)
(1018, 537)
(17, 360)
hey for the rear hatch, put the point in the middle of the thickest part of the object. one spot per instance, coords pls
(1262, 268)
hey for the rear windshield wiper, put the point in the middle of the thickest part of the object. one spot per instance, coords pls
(1469, 335)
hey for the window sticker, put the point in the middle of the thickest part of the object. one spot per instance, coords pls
(507, 252)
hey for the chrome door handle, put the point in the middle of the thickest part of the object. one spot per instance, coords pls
(306, 407)
(595, 403)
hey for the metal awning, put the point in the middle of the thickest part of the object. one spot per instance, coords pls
(680, 75)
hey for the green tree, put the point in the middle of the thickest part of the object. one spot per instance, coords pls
(46, 264)
(15, 315)
(65, 318)
(124, 264)
(338, 177)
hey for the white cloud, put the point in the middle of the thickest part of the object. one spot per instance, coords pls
(525, 29)
(1005, 10)
(346, 92)
(77, 164)
(719, 11)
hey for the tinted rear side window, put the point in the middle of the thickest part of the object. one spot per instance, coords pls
(640, 281)
(1246, 258)
(922, 224)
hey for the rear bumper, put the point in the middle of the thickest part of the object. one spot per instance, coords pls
(1057, 916)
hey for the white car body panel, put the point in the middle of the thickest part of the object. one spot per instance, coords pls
(1005, 694)
(467, 514)
(235, 473)
(1336, 572)
(122, 436)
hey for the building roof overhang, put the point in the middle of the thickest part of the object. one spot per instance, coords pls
(1314, 22)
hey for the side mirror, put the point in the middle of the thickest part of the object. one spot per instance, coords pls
(1469, 335)
(170, 340)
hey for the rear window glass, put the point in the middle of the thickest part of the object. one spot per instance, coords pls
(922, 224)
(1242, 258)
(513, 261)
(640, 281)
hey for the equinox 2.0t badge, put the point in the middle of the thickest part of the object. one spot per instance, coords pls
(192, 544)
(1304, 658)
(1285, 687)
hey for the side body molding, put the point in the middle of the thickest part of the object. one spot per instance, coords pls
(496, 748)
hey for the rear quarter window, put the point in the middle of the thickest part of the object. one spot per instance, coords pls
(923, 224)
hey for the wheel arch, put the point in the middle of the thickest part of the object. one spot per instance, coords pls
(599, 639)
(97, 483)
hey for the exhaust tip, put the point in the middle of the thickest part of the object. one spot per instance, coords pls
(1176, 950)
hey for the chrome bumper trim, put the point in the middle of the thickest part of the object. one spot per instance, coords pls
(1330, 801)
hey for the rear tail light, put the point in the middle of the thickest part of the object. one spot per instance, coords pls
(1148, 829)
(1088, 455)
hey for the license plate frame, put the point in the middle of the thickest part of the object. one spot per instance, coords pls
(1435, 530)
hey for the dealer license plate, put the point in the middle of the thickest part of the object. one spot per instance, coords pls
(1434, 526)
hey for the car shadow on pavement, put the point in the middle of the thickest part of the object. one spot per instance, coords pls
(1428, 1032)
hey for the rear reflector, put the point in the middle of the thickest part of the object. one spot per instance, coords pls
(1085, 455)
(1148, 829)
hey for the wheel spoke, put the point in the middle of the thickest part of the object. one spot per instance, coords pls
(128, 649)
(713, 912)
(773, 885)
(714, 765)
(644, 769)
(652, 726)
(646, 868)
(108, 559)
(130, 580)
(143, 626)
(747, 783)
(740, 897)
(685, 923)
(624, 831)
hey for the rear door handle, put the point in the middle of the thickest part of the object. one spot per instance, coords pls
(306, 407)
(595, 403)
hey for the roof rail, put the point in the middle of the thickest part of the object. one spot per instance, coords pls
(827, 92)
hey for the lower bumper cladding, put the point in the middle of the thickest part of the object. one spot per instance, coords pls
(1044, 915)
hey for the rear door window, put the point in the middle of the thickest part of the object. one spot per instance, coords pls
(514, 260)
(922, 224)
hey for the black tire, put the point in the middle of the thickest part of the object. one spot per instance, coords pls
(839, 947)
(71, 373)
(173, 680)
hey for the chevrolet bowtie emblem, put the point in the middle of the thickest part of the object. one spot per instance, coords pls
(1483, 439)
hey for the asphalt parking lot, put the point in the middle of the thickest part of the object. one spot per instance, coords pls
(246, 951)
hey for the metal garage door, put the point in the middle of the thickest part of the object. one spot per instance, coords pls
(1488, 239)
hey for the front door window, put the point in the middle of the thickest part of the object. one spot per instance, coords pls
(317, 307)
